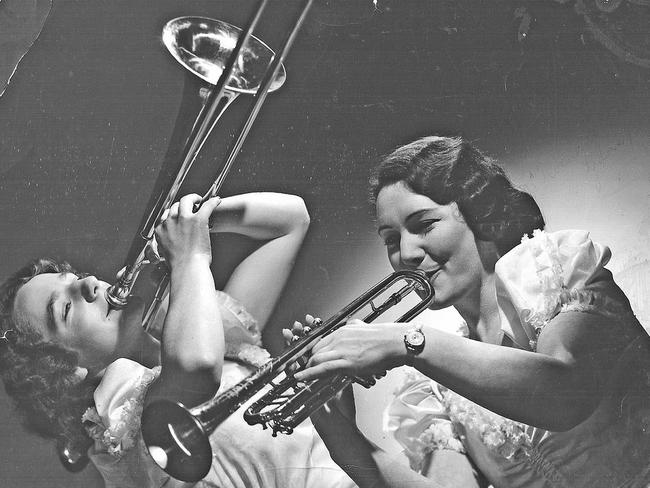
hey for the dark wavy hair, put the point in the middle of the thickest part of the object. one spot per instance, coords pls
(41, 376)
(450, 169)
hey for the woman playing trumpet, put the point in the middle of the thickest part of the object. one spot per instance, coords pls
(80, 371)
(547, 384)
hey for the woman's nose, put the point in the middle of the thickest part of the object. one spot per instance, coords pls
(89, 288)
(411, 252)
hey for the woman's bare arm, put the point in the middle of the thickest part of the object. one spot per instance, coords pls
(192, 342)
(555, 388)
(279, 222)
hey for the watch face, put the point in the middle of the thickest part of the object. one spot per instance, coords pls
(415, 338)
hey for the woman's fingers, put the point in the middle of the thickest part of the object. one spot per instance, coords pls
(186, 204)
(185, 207)
(323, 363)
(297, 328)
(287, 334)
(208, 207)
(322, 369)
(173, 211)
(294, 334)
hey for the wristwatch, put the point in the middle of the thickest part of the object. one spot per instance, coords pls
(414, 340)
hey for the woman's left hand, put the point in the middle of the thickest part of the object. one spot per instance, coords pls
(357, 349)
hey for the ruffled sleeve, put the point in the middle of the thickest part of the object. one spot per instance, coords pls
(550, 273)
(418, 420)
(242, 334)
(114, 421)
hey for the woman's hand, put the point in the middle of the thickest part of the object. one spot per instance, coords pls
(357, 349)
(183, 234)
(298, 330)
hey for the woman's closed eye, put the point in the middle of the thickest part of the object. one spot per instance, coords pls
(66, 310)
(423, 227)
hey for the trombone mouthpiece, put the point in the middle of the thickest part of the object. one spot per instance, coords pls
(117, 295)
(115, 301)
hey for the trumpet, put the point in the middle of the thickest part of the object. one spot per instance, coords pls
(237, 62)
(178, 437)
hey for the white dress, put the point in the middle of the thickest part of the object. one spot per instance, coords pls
(545, 275)
(244, 456)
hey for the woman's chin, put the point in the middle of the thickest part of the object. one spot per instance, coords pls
(440, 301)
(438, 305)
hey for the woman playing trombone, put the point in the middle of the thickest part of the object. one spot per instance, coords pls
(80, 371)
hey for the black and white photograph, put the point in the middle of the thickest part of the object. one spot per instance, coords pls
(325, 243)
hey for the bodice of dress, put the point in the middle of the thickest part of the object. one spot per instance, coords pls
(243, 456)
(546, 275)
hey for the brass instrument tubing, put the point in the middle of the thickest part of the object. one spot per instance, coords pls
(260, 96)
(117, 294)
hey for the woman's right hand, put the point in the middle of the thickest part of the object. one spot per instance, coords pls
(183, 234)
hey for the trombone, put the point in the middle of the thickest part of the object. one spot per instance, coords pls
(237, 62)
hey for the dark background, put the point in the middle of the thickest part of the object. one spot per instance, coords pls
(98, 106)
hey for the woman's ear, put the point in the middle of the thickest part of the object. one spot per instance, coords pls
(81, 373)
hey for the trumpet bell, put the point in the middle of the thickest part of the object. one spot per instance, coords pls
(179, 444)
(203, 46)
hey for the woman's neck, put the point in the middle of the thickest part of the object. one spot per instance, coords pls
(481, 313)
(148, 351)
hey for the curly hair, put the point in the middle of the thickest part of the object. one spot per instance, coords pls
(450, 169)
(41, 376)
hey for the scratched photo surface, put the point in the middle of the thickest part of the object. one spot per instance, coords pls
(94, 107)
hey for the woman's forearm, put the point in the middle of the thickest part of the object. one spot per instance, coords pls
(554, 388)
(192, 338)
(261, 216)
(279, 223)
(533, 388)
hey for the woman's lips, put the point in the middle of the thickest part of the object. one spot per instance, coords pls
(432, 274)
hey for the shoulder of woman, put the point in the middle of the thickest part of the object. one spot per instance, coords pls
(114, 420)
(565, 253)
(120, 380)
(551, 272)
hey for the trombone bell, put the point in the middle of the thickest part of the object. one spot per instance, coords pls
(204, 45)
